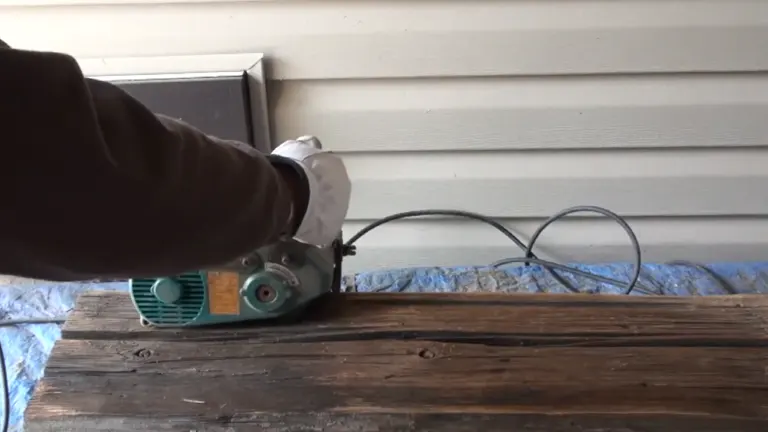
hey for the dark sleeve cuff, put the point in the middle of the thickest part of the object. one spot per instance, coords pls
(299, 185)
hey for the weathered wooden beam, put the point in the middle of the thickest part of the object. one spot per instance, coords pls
(413, 362)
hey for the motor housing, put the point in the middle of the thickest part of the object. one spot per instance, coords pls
(272, 282)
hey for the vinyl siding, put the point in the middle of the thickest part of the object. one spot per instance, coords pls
(517, 109)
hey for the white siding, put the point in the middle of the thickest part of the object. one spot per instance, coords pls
(655, 109)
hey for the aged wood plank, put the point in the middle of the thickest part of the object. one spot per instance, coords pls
(407, 362)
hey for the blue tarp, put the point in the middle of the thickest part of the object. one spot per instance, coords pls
(27, 347)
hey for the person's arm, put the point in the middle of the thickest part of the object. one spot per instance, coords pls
(94, 185)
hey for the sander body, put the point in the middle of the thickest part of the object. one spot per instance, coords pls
(272, 282)
(275, 281)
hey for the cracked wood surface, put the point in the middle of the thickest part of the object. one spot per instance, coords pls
(419, 362)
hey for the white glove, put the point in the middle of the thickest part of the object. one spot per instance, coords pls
(329, 190)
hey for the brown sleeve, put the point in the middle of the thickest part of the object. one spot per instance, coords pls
(94, 185)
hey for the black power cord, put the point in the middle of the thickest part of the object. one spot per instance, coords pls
(6, 391)
(633, 284)
(4, 368)
(530, 257)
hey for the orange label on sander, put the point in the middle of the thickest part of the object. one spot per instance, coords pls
(223, 293)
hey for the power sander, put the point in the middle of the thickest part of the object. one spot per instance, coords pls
(272, 282)
(275, 281)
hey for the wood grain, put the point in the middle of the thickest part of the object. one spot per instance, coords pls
(408, 362)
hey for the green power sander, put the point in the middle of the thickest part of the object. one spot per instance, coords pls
(275, 281)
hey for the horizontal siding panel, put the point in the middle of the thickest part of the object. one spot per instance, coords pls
(537, 184)
(522, 113)
(388, 39)
(423, 243)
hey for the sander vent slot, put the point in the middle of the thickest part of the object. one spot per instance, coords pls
(185, 310)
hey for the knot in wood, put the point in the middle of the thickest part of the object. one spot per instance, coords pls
(426, 354)
(142, 353)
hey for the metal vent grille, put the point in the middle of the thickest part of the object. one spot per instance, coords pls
(184, 311)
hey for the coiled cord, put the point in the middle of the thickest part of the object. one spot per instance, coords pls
(529, 258)
(633, 284)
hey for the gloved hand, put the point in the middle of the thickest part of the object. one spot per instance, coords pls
(329, 190)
